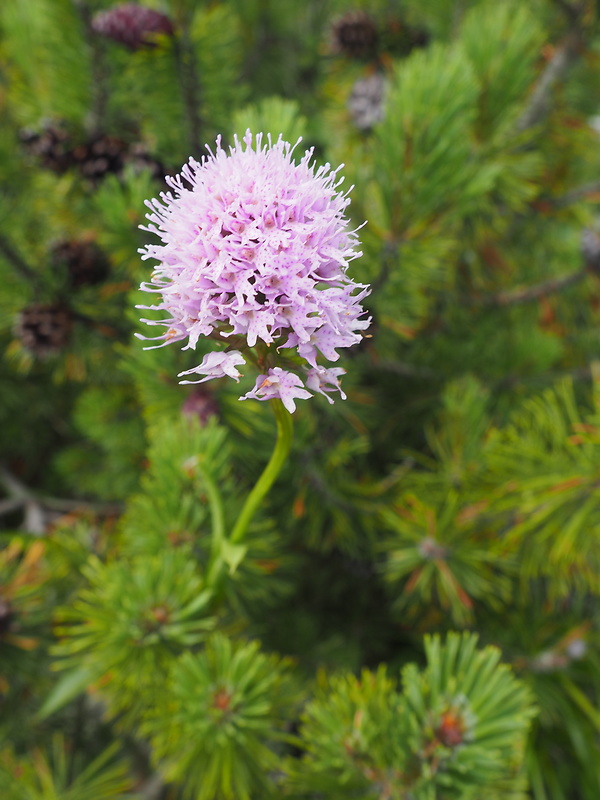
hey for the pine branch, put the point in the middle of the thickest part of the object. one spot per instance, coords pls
(64, 505)
(153, 788)
(13, 485)
(37, 506)
(572, 12)
(579, 374)
(262, 38)
(406, 370)
(389, 258)
(527, 294)
(564, 57)
(187, 68)
(531, 293)
(101, 327)
(16, 260)
(35, 519)
(99, 70)
(576, 194)
(9, 505)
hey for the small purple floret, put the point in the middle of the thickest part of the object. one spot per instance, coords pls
(217, 365)
(279, 383)
(323, 381)
(255, 250)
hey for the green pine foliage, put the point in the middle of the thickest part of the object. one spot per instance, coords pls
(52, 776)
(413, 613)
(132, 619)
(457, 729)
(222, 742)
(48, 66)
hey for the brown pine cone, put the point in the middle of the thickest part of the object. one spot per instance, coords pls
(51, 147)
(44, 328)
(85, 263)
(100, 156)
(354, 35)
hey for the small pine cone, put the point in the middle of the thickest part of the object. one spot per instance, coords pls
(201, 405)
(51, 146)
(354, 35)
(590, 250)
(100, 156)
(85, 263)
(366, 102)
(44, 328)
(131, 25)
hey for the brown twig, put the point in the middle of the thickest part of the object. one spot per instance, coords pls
(572, 12)
(564, 56)
(575, 194)
(153, 788)
(510, 381)
(406, 370)
(9, 505)
(37, 508)
(531, 293)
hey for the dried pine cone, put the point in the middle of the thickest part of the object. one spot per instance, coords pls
(354, 35)
(51, 146)
(100, 156)
(95, 158)
(85, 263)
(44, 328)
(131, 25)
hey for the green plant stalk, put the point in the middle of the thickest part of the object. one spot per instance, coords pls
(270, 472)
(228, 552)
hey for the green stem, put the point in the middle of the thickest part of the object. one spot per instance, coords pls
(228, 552)
(270, 473)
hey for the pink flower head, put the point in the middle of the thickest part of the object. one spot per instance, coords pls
(255, 250)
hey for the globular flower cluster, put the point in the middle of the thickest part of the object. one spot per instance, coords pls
(254, 254)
